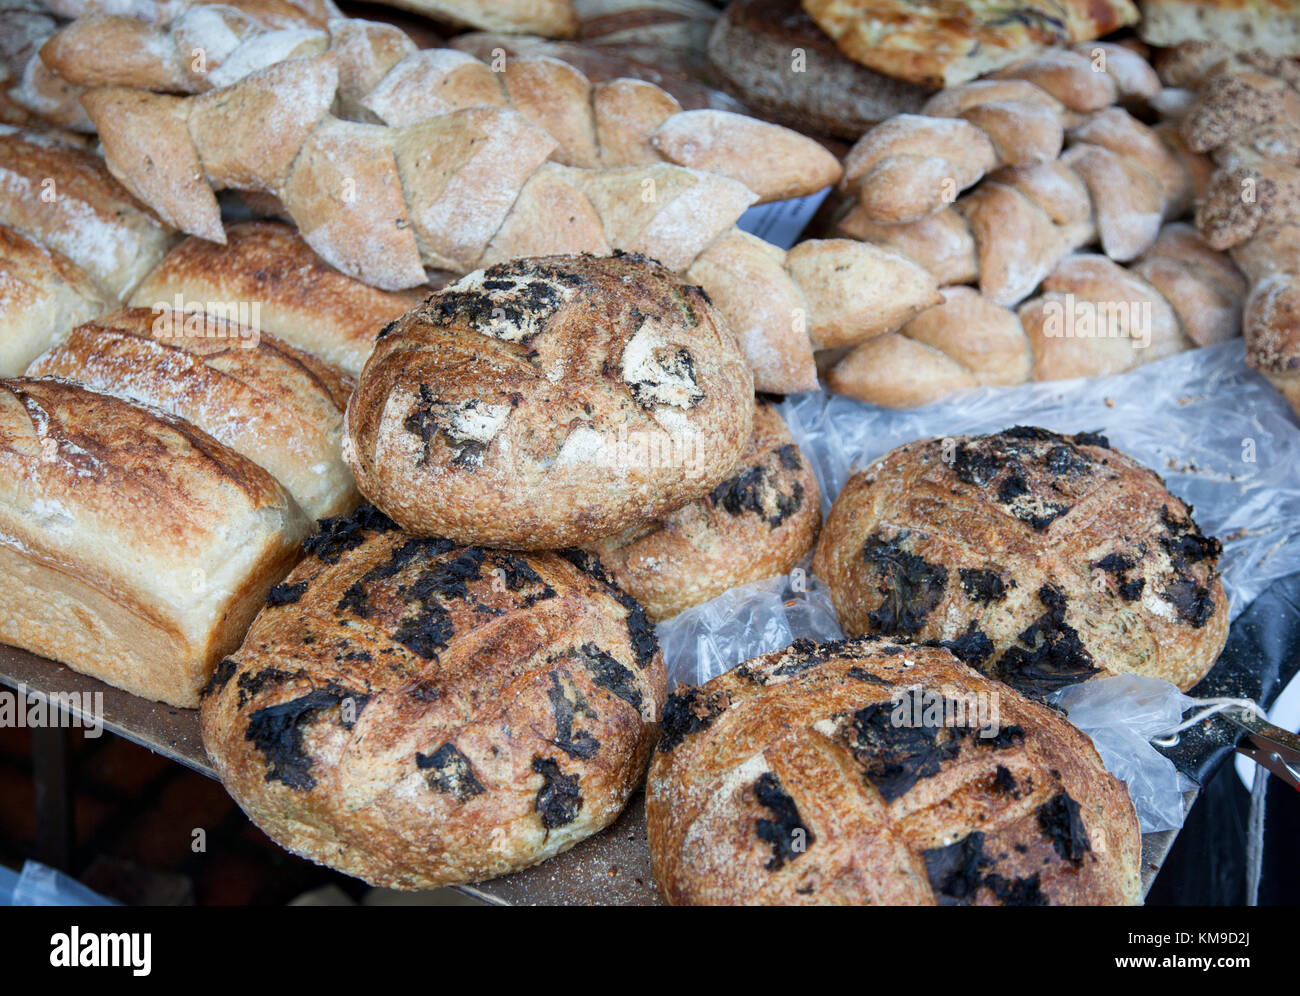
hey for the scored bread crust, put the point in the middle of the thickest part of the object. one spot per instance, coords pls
(135, 547)
(549, 402)
(302, 300)
(806, 776)
(1042, 559)
(420, 714)
(756, 524)
(278, 406)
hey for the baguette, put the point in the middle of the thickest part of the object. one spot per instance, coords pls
(136, 548)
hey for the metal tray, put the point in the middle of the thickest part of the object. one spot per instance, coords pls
(610, 869)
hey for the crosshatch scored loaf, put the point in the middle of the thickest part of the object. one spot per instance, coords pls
(821, 775)
(549, 402)
(1040, 559)
(418, 713)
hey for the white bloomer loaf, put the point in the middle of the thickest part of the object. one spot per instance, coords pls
(134, 547)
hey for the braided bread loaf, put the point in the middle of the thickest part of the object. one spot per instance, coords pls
(1246, 114)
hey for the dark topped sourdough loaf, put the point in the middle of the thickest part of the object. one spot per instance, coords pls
(549, 402)
(418, 713)
(757, 523)
(1040, 559)
(868, 772)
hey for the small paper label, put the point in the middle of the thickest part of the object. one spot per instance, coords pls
(781, 222)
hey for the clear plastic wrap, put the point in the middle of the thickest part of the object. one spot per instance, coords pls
(1224, 440)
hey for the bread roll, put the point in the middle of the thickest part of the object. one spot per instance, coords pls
(757, 523)
(66, 200)
(1041, 559)
(550, 402)
(42, 295)
(868, 772)
(419, 714)
(301, 300)
(261, 397)
(135, 547)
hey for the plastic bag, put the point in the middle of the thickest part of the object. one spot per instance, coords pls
(1121, 715)
(40, 885)
(1224, 440)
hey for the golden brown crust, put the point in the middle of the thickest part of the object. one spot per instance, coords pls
(826, 775)
(302, 300)
(140, 546)
(1046, 559)
(549, 402)
(274, 404)
(419, 714)
(756, 524)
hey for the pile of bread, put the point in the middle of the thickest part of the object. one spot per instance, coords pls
(406, 547)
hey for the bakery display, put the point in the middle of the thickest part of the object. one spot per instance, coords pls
(947, 42)
(790, 781)
(418, 713)
(550, 402)
(42, 295)
(1037, 558)
(136, 548)
(267, 401)
(757, 523)
(300, 299)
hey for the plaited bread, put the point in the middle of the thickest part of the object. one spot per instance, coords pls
(302, 301)
(274, 404)
(550, 402)
(814, 775)
(941, 243)
(419, 714)
(964, 341)
(549, 18)
(757, 523)
(66, 200)
(1043, 559)
(135, 548)
(42, 295)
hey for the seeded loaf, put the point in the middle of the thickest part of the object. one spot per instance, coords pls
(420, 714)
(757, 523)
(274, 404)
(135, 548)
(550, 402)
(1040, 559)
(820, 775)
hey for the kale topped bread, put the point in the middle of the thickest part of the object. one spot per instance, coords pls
(418, 713)
(1040, 559)
(869, 772)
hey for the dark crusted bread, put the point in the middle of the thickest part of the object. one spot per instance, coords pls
(549, 402)
(757, 523)
(417, 713)
(1041, 559)
(755, 50)
(867, 772)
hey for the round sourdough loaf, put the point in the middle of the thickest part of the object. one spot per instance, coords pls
(758, 522)
(1041, 559)
(549, 402)
(865, 772)
(417, 713)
